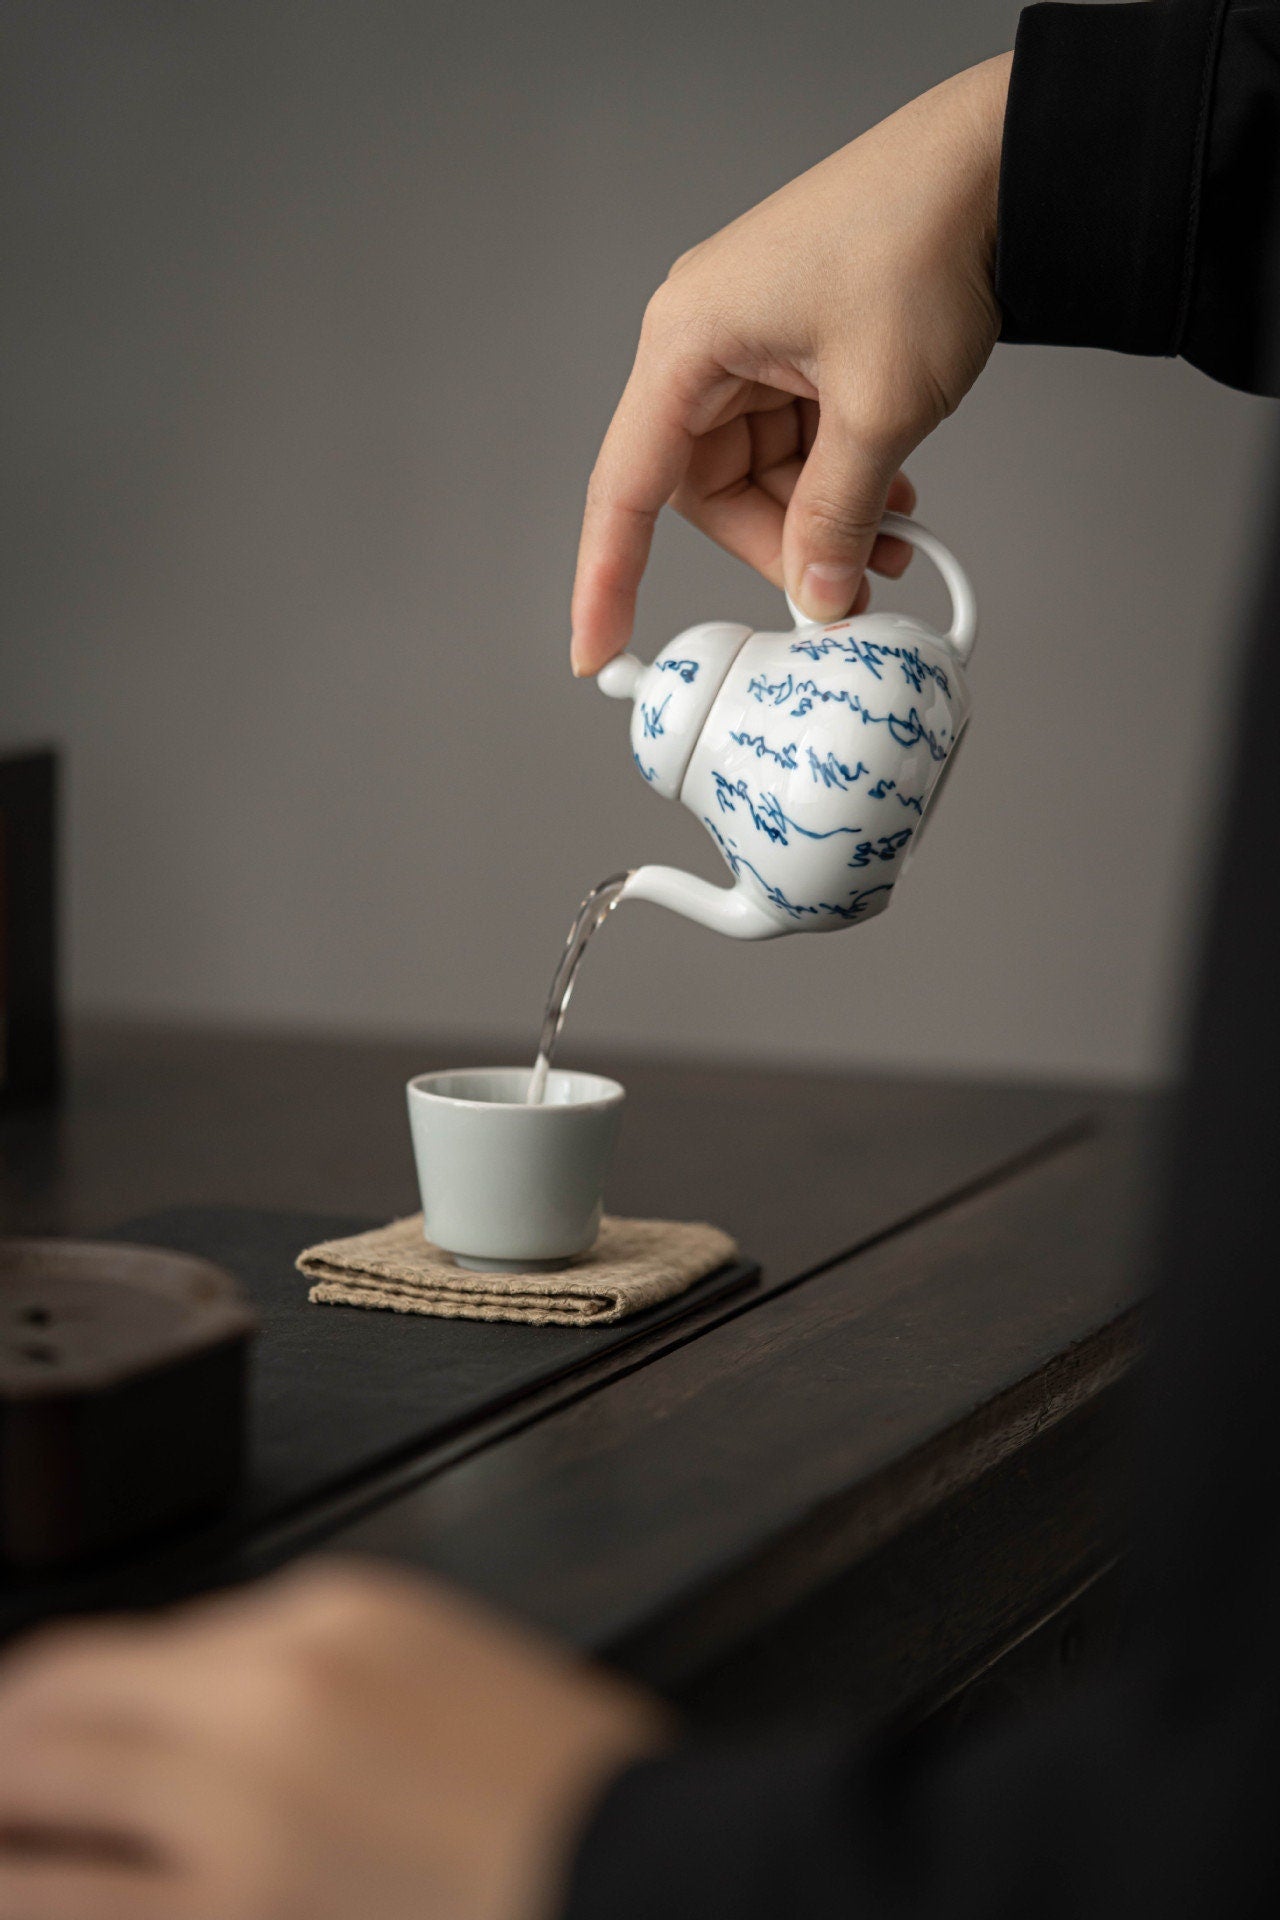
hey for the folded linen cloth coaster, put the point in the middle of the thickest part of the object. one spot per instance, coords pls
(634, 1264)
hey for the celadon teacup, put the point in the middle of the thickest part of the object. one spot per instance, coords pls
(509, 1187)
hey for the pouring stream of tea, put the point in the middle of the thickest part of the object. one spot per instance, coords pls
(593, 912)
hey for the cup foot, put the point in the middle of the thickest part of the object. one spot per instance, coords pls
(476, 1265)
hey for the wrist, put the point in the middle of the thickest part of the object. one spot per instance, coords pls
(578, 1761)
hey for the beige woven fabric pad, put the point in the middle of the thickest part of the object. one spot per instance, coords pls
(634, 1264)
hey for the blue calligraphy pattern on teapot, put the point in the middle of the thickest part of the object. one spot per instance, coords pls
(785, 756)
(856, 907)
(832, 772)
(811, 756)
(915, 670)
(767, 812)
(809, 813)
(906, 728)
(651, 719)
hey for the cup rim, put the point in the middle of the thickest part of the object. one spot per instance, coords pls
(421, 1088)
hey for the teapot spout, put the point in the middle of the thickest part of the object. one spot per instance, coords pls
(728, 910)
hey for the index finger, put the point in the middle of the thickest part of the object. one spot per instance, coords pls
(640, 464)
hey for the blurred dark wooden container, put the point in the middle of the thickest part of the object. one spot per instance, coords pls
(122, 1395)
(30, 1053)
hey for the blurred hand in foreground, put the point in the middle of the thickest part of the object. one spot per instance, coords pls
(788, 365)
(336, 1742)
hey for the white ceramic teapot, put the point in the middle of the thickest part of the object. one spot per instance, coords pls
(810, 757)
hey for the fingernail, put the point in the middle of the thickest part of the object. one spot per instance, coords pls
(826, 590)
(575, 658)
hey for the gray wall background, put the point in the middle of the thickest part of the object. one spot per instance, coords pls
(314, 317)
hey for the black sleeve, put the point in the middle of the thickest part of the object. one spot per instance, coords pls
(1140, 183)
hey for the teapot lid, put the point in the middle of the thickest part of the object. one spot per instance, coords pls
(673, 696)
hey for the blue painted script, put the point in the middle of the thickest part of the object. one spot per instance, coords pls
(887, 847)
(906, 728)
(767, 813)
(652, 718)
(872, 655)
(851, 909)
(785, 756)
(832, 771)
(883, 788)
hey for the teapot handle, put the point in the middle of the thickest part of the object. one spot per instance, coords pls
(964, 608)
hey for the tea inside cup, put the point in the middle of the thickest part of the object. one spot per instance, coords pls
(510, 1187)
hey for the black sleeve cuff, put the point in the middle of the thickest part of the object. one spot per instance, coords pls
(1103, 150)
(751, 1833)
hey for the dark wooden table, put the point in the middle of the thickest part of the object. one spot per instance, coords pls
(884, 1479)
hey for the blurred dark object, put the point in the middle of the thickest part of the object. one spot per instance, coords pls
(29, 1038)
(122, 1394)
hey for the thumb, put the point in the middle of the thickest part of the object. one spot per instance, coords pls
(833, 515)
